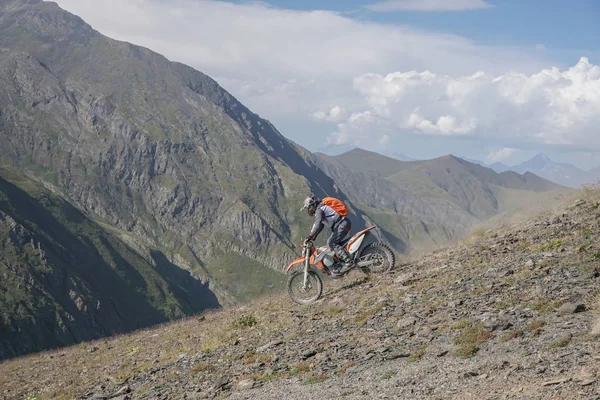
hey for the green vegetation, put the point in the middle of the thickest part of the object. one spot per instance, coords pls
(334, 310)
(508, 336)
(469, 339)
(244, 321)
(370, 162)
(534, 325)
(544, 305)
(461, 324)
(562, 342)
(552, 244)
(315, 378)
(300, 368)
(364, 316)
(417, 355)
(243, 277)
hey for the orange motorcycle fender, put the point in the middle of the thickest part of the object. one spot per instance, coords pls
(300, 260)
(295, 262)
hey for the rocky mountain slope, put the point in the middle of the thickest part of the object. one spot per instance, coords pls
(64, 279)
(159, 158)
(513, 313)
(152, 148)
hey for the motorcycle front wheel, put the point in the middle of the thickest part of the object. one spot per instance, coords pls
(304, 294)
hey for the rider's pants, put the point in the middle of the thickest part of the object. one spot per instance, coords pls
(340, 231)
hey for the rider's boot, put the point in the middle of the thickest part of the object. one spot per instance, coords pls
(347, 265)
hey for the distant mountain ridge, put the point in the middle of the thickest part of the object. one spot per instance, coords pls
(562, 173)
(425, 203)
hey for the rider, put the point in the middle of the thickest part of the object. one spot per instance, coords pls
(340, 228)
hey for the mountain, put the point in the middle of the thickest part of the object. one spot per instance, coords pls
(428, 203)
(510, 314)
(400, 156)
(148, 146)
(335, 149)
(499, 167)
(165, 165)
(474, 161)
(338, 149)
(561, 173)
(65, 279)
(155, 153)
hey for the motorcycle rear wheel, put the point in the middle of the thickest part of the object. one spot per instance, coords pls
(302, 295)
(381, 256)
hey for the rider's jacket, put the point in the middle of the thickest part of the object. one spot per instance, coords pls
(324, 215)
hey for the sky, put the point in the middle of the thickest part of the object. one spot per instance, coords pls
(491, 80)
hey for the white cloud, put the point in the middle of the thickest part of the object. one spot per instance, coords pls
(287, 64)
(295, 67)
(362, 129)
(428, 5)
(551, 107)
(500, 154)
(335, 114)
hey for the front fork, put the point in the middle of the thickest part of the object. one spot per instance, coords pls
(306, 267)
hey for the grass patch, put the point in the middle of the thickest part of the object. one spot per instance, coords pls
(508, 336)
(266, 378)
(245, 321)
(466, 351)
(315, 378)
(534, 325)
(362, 318)
(334, 310)
(544, 305)
(462, 324)
(250, 357)
(584, 246)
(417, 355)
(200, 368)
(216, 340)
(300, 368)
(562, 342)
(509, 301)
(552, 244)
(469, 339)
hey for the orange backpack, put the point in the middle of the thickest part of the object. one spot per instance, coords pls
(336, 204)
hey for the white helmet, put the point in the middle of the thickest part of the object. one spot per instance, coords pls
(310, 204)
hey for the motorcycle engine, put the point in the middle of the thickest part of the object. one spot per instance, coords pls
(328, 259)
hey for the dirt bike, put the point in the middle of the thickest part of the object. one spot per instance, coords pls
(304, 285)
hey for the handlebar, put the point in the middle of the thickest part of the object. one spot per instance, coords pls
(306, 243)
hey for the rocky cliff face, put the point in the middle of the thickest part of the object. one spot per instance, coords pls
(64, 279)
(151, 147)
